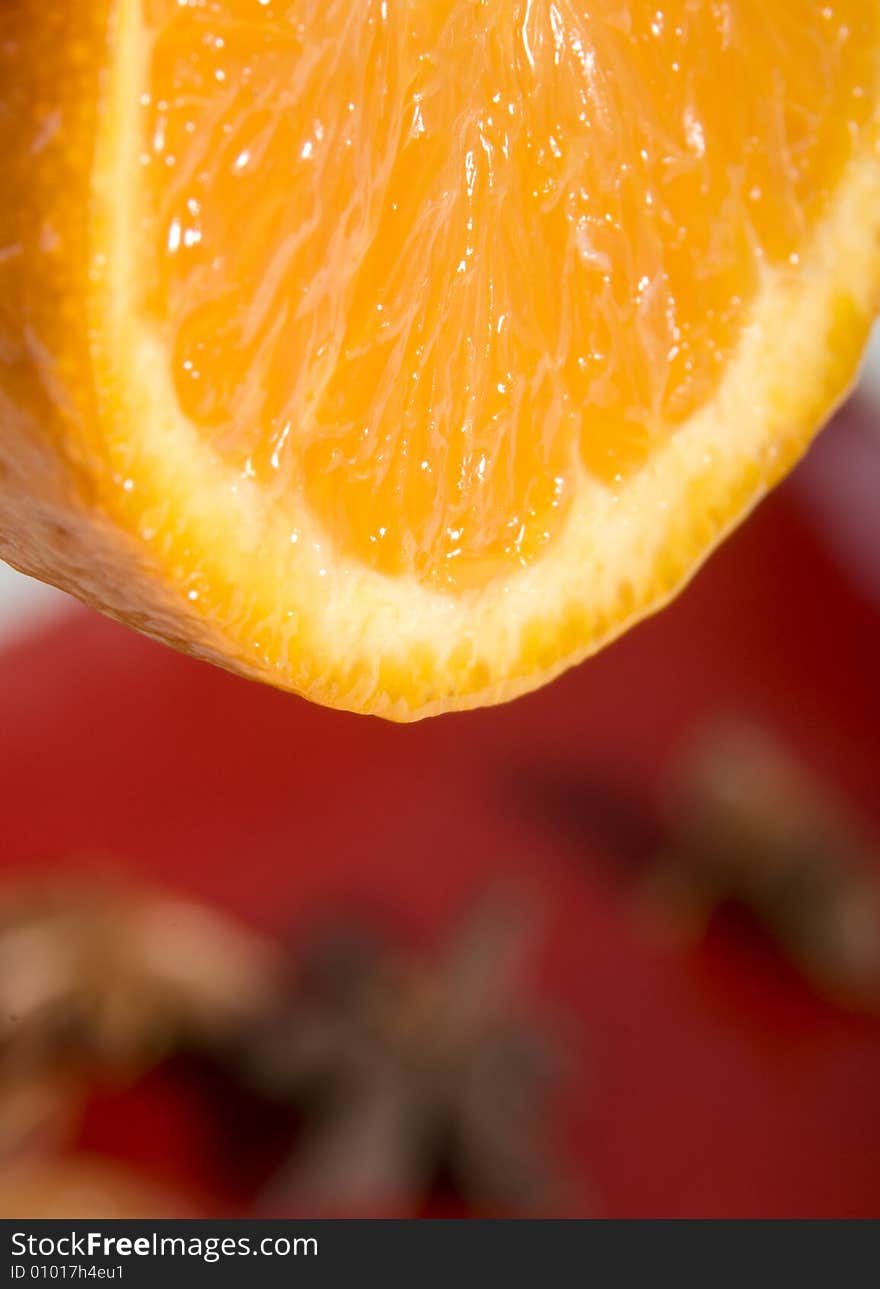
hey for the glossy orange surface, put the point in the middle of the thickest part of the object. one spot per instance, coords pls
(422, 262)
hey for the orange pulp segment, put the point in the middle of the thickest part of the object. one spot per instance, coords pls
(424, 264)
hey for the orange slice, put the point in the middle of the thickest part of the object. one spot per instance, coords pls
(403, 353)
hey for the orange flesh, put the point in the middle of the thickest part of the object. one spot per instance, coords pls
(418, 263)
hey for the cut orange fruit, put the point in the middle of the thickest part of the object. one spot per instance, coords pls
(403, 353)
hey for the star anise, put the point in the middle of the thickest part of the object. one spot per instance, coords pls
(749, 824)
(96, 975)
(406, 1069)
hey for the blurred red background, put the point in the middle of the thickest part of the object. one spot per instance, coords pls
(699, 1081)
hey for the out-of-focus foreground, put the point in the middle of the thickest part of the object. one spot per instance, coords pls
(613, 950)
